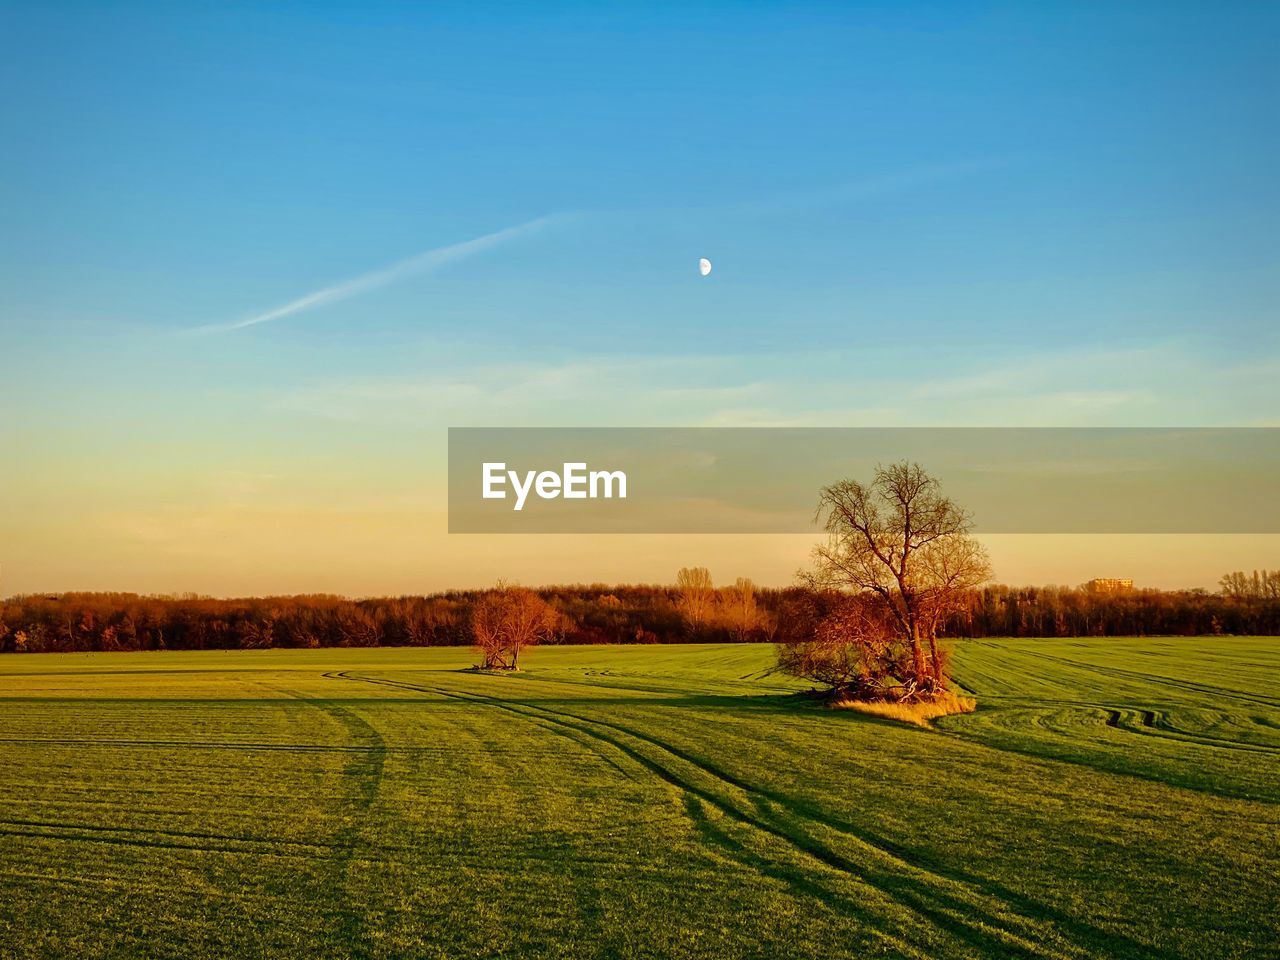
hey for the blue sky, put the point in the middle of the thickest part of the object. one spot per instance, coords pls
(918, 213)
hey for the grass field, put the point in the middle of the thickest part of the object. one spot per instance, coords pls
(1108, 798)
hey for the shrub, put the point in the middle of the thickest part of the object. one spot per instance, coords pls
(918, 712)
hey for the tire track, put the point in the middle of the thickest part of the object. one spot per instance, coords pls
(365, 770)
(265, 842)
(901, 858)
(1153, 723)
(1155, 720)
(880, 941)
(993, 927)
(1194, 687)
(213, 745)
(993, 736)
(551, 728)
(806, 886)
(94, 835)
(1117, 943)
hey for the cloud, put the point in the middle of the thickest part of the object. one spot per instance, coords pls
(822, 196)
(423, 263)
(432, 260)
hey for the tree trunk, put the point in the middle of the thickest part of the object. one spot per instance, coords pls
(939, 681)
(917, 657)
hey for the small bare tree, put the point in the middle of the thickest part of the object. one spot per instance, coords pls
(507, 619)
(697, 599)
(903, 548)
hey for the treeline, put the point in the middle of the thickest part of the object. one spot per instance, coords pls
(1001, 611)
(37, 623)
(1259, 585)
(691, 612)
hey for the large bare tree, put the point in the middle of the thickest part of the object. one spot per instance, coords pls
(901, 545)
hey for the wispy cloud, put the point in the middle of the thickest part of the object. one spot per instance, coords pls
(824, 195)
(423, 263)
(1107, 385)
(432, 260)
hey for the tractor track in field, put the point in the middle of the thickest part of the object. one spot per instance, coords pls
(161, 831)
(1152, 723)
(245, 746)
(897, 855)
(1114, 718)
(544, 717)
(163, 839)
(1032, 720)
(986, 917)
(1155, 723)
(366, 770)
(1189, 685)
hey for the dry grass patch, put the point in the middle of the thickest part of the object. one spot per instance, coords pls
(918, 712)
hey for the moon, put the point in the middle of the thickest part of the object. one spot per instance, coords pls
(704, 266)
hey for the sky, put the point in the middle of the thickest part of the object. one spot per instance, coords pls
(256, 259)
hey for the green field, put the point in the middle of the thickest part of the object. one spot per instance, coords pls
(1109, 798)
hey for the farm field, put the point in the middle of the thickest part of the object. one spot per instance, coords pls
(1116, 798)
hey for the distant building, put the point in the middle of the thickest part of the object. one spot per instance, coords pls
(1109, 585)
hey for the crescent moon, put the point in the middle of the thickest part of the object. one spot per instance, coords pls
(704, 266)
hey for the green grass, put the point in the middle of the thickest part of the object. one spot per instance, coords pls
(1108, 798)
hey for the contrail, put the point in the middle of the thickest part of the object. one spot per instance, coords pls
(427, 262)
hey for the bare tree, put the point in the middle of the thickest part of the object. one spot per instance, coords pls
(900, 544)
(507, 619)
(842, 642)
(697, 599)
(738, 608)
(1262, 585)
